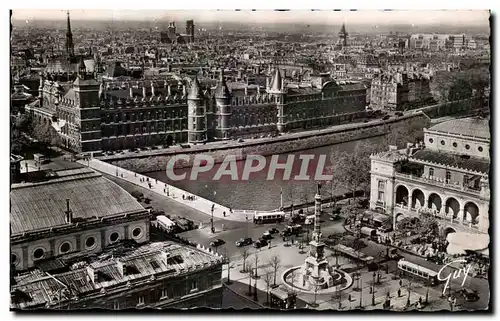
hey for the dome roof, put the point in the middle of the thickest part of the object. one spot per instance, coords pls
(475, 126)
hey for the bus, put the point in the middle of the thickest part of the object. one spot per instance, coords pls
(269, 217)
(310, 219)
(417, 271)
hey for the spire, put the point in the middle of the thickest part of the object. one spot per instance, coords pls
(70, 50)
(195, 91)
(276, 82)
(221, 91)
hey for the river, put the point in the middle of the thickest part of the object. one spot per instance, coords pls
(258, 193)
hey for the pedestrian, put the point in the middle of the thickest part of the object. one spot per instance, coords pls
(399, 293)
(183, 196)
(420, 300)
(349, 298)
(135, 174)
(122, 175)
(156, 181)
(400, 282)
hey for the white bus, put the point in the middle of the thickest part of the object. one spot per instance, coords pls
(269, 217)
(415, 270)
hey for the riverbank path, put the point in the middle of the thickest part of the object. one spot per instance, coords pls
(188, 199)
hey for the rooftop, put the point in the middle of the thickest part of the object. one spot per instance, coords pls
(42, 205)
(457, 161)
(474, 126)
(109, 271)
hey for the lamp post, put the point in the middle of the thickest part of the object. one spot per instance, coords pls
(409, 293)
(360, 280)
(212, 219)
(373, 289)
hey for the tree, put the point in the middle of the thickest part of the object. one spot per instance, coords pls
(350, 213)
(352, 170)
(244, 256)
(460, 89)
(256, 265)
(268, 279)
(275, 263)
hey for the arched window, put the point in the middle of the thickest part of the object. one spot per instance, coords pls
(448, 176)
(431, 172)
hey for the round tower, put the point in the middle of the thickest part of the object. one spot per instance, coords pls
(223, 109)
(277, 89)
(197, 117)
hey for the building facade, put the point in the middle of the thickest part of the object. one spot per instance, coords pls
(447, 178)
(107, 116)
(400, 91)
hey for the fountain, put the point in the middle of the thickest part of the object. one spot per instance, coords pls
(316, 274)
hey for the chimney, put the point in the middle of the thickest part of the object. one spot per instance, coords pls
(282, 84)
(184, 91)
(152, 89)
(258, 90)
(165, 256)
(165, 84)
(246, 90)
(393, 148)
(92, 274)
(144, 92)
(267, 83)
(169, 90)
(121, 268)
(131, 92)
(69, 213)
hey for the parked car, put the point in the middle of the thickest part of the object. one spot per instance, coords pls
(240, 140)
(273, 230)
(259, 243)
(244, 241)
(267, 235)
(217, 242)
(399, 114)
(386, 117)
(154, 147)
(469, 295)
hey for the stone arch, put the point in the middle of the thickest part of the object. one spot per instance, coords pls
(452, 207)
(417, 198)
(434, 202)
(402, 195)
(447, 230)
(399, 217)
(471, 211)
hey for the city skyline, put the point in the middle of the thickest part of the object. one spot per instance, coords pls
(328, 17)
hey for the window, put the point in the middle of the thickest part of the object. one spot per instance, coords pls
(381, 185)
(13, 258)
(194, 285)
(164, 294)
(442, 142)
(116, 305)
(454, 144)
(140, 300)
(137, 232)
(380, 196)
(431, 172)
(480, 149)
(65, 247)
(467, 146)
(114, 237)
(90, 242)
(448, 176)
(466, 180)
(38, 253)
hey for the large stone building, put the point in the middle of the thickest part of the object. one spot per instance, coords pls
(400, 91)
(447, 178)
(79, 241)
(97, 117)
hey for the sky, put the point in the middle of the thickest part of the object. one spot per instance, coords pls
(420, 17)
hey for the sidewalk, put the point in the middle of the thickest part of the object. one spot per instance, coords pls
(168, 191)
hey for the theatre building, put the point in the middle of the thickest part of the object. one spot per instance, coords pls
(446, 177)
(78, 240)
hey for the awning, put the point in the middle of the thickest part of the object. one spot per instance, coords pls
(461, 242)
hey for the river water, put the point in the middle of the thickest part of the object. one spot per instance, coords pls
(259, 193)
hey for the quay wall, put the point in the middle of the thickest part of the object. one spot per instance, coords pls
(398, 131)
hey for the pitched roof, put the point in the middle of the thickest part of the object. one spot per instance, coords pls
(276, 81)
(221, 91)
(195, 91)
(454, 160)
(42, 205)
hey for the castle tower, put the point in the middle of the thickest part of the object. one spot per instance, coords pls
(197, 117)
(87, 100)
(343, 35)
(278, 90)
(223, 109)
(190, 30)
(70, 49)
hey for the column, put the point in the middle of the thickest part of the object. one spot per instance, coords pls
(461, 215)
